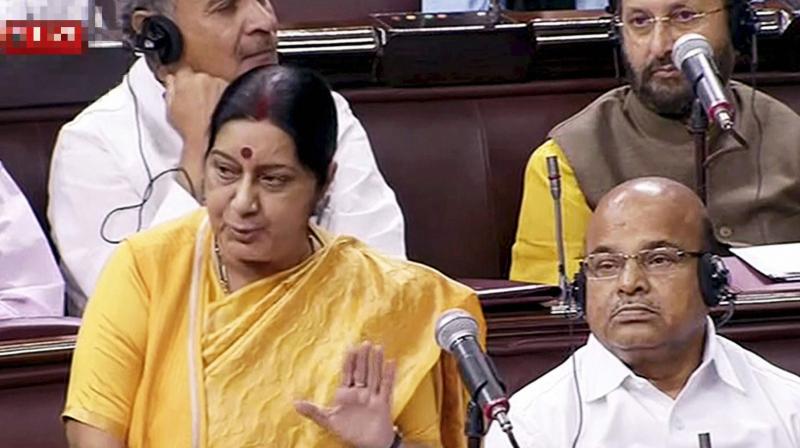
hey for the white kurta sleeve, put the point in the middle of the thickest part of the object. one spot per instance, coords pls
(361, 204)
(177, 202)
(87, 183)
(30, 282)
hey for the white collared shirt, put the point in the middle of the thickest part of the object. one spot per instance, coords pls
(98, 166)
(737, 397)
(30, 282)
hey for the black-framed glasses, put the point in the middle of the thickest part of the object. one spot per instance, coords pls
(656, 261)
(682, 19)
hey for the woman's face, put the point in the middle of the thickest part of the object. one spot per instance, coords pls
(259, 197)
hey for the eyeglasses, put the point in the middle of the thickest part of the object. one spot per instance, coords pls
(683, 19)
(653, 261)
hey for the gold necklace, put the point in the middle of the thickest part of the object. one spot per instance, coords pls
(222, 271)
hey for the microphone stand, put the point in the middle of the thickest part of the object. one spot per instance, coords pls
(698, 128)
(473, 427)
(565, 304)
(494, 13)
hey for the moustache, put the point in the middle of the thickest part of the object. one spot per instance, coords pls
(267, 43)
(643, 304)
(656, 65)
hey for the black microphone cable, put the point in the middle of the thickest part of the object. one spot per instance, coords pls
(573, 349)
(151, 180)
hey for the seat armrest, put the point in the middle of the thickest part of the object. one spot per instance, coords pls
(37, 327)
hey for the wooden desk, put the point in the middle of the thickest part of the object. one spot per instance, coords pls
(525, 341)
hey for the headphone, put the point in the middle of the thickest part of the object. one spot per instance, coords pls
(742, 22)
(161, 37)
(712, 273)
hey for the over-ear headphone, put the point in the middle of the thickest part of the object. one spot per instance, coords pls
(160, 36)
(712, 274)
(743, 24)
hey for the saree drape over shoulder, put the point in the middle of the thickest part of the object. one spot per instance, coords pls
(165, 358)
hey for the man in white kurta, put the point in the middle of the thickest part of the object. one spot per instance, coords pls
(30, 282)
(106, 157)
(654, 373)
(739, 398)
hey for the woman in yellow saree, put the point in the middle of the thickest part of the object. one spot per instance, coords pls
(221, 328)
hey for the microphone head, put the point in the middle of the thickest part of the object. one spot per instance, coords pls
(690, 45)
(453, 325)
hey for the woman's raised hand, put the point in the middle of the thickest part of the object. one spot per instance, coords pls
(361, 413)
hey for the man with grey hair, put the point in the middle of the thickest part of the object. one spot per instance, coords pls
(134, 158)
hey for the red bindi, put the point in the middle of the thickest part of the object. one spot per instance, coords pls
(247, 152)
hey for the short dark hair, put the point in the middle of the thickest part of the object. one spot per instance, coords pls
(296, 100)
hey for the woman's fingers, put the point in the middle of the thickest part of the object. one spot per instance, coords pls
(387, 382)
(349, 367)
(312, 412)
(362, 365)
(375, 369)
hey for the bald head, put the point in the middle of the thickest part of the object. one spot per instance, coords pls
(647, 205)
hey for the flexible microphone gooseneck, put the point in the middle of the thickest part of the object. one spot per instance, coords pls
(554, 177)
(457, 334)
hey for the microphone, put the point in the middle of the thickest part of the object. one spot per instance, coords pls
(494, 13)
(693, 55)
(705, 440)
(554, 176)
(457, 334)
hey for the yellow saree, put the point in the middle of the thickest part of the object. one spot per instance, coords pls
(164, 358)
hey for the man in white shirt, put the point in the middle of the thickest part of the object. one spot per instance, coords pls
(30, 282)
(654, 373)
(104, 180)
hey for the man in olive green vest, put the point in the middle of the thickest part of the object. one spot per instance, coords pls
(753, 190)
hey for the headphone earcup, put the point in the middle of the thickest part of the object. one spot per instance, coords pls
(577, 290)
(160, 35)
(714, 279)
